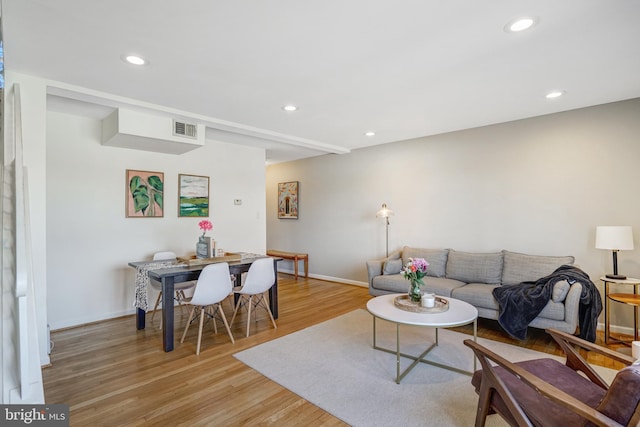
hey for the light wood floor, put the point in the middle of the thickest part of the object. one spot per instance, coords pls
(113, 375)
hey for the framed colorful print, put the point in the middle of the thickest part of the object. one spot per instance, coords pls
(144, 194)
(288, 200)
(193, 195)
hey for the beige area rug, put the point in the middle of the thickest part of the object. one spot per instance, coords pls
(334, 366)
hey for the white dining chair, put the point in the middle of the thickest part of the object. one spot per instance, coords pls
(260, 277)
(212, 287)
(182, 290)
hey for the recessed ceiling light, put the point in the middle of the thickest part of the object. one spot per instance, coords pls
(290, 108)
(370, 133)
(134, 59)
(520, 23)
(555, 94)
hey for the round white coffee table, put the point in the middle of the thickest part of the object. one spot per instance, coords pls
(459, 313)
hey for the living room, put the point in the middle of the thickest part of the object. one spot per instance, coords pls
(537, 185)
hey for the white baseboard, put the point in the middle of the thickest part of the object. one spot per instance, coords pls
(626, 330)
(79, 321)
(327, 278)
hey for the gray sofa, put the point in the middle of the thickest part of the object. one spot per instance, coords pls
(471, 277)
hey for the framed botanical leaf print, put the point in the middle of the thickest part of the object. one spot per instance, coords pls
(144, 194)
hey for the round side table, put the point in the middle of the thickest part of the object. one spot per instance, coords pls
(624, 298)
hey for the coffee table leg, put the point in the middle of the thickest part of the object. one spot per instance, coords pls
(374, 331)
(475, 339)
(398, 378)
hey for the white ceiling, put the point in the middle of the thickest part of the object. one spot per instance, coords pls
(402, 68)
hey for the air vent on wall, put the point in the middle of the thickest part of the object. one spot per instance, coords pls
(149, 132)
(185, 129)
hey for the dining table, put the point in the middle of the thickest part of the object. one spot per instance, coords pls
(168, 276)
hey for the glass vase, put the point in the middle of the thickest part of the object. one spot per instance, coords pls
(414, 291)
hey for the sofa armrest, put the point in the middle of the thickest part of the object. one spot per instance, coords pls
(374, 267)
(572, 306)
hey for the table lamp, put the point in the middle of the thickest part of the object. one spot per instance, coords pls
(615, 238)
(385, 213)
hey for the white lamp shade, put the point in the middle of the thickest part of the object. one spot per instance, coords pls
(617, 238)
(385, 212)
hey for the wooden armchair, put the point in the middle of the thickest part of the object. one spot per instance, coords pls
(545, 392)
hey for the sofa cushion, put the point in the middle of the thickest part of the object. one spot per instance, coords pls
(520, 268)
(478, 295)
(392, 266)
(474, 267)
(437, 259)
(441, 285)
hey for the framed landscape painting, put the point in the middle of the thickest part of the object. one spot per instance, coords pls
(144, 194)
(288, 200)
(193, 195)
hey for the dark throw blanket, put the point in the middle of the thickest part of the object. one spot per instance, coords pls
(520, 304)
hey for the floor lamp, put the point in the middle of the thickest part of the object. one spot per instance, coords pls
(616, 239)
(385, 213)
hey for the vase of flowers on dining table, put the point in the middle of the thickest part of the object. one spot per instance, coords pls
(203, 247)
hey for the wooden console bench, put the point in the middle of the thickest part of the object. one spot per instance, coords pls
(295, 256)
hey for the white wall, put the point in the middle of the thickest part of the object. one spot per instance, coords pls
(538, 186)
(89, 240)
